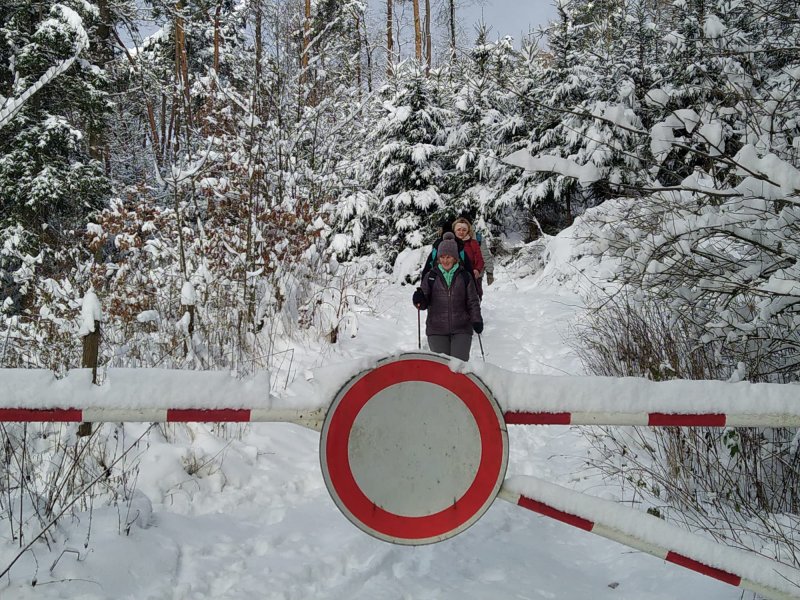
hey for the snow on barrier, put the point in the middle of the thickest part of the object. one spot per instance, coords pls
(146, 395)
(650, 534)
(583, 400)
(162, 394)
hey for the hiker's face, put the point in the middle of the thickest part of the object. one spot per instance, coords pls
(461, 230)
(447, 261)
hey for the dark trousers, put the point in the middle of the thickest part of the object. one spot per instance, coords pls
(456, 345)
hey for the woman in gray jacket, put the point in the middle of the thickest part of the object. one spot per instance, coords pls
(449, 295)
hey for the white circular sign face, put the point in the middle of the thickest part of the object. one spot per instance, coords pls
(431, 459)
(412, 452)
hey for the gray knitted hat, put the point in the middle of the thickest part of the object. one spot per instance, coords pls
(448, 246)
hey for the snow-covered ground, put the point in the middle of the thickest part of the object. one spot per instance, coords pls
(257, 521)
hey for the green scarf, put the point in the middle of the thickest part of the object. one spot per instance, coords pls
(448, 275)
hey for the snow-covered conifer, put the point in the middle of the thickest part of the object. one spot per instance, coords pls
(51, 176)
(409, 162)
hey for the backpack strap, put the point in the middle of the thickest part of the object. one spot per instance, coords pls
(467, 276)
(431, 278)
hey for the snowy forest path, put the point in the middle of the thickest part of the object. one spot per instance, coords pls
(259, 523)
(507, 554)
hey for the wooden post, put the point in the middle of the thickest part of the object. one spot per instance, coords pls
(91, 351)
(186, 341)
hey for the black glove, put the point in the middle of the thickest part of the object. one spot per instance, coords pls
(477, 326)
(419, 299)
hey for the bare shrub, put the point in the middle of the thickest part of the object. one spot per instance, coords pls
(50, 473)
(738, 485)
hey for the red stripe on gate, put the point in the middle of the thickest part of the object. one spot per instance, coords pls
(699, 420)
(537, 418)
(54, 415)
(554, 513)
(214, 415)
(689, 563)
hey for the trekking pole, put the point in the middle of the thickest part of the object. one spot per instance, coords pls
(483, 356)
(419, 331)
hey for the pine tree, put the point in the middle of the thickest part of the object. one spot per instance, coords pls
(50, 179)
(408, 167)
(475, 142)
(589, 94)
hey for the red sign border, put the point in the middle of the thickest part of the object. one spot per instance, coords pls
(334, 443)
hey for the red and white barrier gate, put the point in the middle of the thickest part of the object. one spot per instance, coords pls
(414, 453)
(654, 536)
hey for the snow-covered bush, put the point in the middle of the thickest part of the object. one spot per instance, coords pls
(727, 482)
(704, 290)
(51, 474)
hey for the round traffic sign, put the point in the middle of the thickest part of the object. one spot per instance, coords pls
(411, 452)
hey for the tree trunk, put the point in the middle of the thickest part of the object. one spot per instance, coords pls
(217, 38)
(102, 37)
(417, 32)
(306, 37)
(565, 49)
(428, 44)
(182, 62)
(452, 5)
(358, 54)
(369, 58)
(389, 39)
(259, 42)
(103, 54)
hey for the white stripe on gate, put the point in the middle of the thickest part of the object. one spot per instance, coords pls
(608, 418)
(763, 420)
(629, 540)
(118, 415)
(311, 418)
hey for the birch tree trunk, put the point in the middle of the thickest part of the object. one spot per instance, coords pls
(217, 37)
(259, 44)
